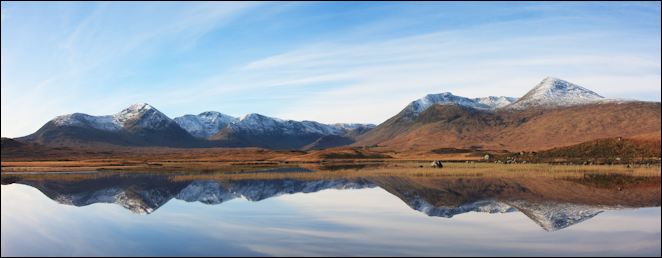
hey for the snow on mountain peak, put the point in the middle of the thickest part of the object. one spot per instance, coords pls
(84, 120)
(142, 115)
(554, 92)
(496, 102)
(132, 112)
(487, 103)
(550, 92)
(140, 106)
(205, 124)
(258, 124)
(353, 126)
(418, 106)
(257, 117)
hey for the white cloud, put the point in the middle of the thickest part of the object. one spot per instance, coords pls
(382, 77)
(350, 78)
(91, 53)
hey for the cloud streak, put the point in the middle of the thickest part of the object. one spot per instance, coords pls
(326, 62)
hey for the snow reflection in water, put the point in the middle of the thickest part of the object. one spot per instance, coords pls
(328, 214)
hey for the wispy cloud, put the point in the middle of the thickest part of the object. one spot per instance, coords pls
(331, 62)
(110, 38)
(379, 77)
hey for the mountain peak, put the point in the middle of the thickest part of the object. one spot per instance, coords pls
(205, 124)
(495, 102)
(445, 98)
(255, 122)
(84, 120)
(250, 116)
(137, 108)
(446, 93)
(140, 106)
(132, 112)
(143, 115)
(216, 118)
(554, 92)
(418, 106)
(210, 113)
(556, 84)
(256, 116)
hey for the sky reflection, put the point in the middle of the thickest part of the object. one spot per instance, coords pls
(329, 222)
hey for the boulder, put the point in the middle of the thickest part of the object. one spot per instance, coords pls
(437, 164)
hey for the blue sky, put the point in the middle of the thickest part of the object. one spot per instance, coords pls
(329, 62)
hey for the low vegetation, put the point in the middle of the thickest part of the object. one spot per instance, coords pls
(602, 151)
(623, 154)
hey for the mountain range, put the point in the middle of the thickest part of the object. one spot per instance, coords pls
(143, 125)
(554, 113)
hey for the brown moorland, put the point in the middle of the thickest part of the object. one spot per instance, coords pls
(453, 126)
(18, 157)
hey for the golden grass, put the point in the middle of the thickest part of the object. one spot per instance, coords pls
(197, 169)
(492, 169)
(411, 169)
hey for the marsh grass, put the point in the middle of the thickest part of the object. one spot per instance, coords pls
(551, 171)
(185, 171)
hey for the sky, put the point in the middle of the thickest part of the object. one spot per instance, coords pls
(329, 62)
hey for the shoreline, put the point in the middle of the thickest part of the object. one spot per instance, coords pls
(89, 166)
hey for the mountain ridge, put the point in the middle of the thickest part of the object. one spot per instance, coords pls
(143, 125)
(450, 120)
(554, 92)
(536, 121)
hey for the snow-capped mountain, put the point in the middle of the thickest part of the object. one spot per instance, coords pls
(255, 130)
(418, 106)
(353, 130)
(352, 126)
(490, 103)
(106, 123)
(141, 115)
(260, 124)
(143, 125)
(138, 125)
(205, 124)
(553, 92)
(579, 115)
(495, 102)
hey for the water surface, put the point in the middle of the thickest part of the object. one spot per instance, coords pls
(170, 214)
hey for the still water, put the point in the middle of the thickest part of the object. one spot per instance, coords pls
(170, 215)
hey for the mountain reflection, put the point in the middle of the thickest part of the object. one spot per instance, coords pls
(553, 203)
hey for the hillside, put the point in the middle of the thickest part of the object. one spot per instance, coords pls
(456, 126)
(602, 151)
